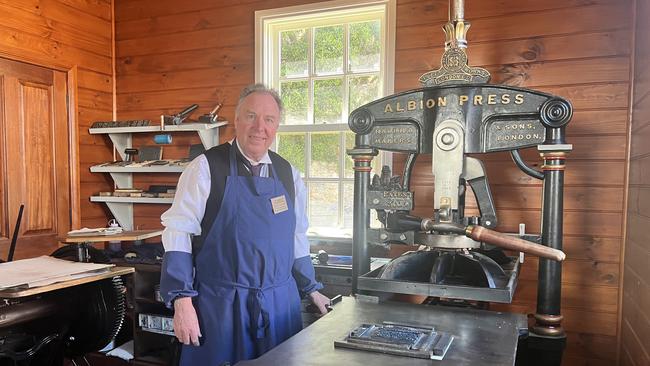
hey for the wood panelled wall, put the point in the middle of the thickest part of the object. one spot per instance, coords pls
(72, 36)
(635, 323)
(171, 54)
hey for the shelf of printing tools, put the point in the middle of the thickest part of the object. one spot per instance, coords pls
(145, 160)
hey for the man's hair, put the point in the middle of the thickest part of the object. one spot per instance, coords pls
(259, 88)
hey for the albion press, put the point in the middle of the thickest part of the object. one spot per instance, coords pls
(456, 116)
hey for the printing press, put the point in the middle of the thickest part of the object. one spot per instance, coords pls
(44, 325)
(456, 117)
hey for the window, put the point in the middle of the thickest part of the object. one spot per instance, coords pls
(325, 59)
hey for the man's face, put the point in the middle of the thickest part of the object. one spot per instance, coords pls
(256, 124)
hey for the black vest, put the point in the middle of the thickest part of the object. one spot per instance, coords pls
(219, 161)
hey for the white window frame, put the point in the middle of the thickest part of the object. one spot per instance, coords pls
(266, 58)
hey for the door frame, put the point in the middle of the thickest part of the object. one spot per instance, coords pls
(73, 125)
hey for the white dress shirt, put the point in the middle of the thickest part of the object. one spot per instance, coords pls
(183, 219)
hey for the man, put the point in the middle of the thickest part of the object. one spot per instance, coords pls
(236, 251)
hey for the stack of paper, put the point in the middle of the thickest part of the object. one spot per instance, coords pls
(43, 271)
(96, 231)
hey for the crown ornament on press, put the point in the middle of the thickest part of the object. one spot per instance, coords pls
(454, 68)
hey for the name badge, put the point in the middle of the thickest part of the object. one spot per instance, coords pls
(279, 204)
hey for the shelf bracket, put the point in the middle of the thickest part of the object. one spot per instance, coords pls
(120, 142)
(122, 180)
(123, 213)
(208, 138)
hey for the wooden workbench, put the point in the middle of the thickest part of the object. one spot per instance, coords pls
(18, 292)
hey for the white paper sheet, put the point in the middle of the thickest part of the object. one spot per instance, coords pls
(96, 231)
(124, 351)
(43, 271)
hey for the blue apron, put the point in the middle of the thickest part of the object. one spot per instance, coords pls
(247, 299)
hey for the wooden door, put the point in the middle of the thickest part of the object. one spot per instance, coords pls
(34, 158)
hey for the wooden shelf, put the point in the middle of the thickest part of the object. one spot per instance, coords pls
(124, 236)
(192, 126)
(108, 273)
(121, 136)
(122, 207)
(137, 169)
(131, 200)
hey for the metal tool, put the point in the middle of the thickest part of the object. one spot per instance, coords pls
(311, 308)
(213, 115)
(322, 257)
(14, 238)
(475, 232)
(179, 117)
(130, 154)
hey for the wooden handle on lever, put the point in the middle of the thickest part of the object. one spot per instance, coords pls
(479, 233)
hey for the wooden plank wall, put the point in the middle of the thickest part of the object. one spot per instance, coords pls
(587, 60)
(635, 322)
(171, 54)
(64, 34)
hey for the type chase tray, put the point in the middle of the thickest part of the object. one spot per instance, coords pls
(398, 339)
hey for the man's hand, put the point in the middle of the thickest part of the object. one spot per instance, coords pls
(186, 323)
(320, 301)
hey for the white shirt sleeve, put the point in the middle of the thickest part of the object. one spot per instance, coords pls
(301, 244)
(184, 217)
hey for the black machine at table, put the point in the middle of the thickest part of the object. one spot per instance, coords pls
(41, 326)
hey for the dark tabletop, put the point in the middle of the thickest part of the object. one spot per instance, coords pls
(480, 337)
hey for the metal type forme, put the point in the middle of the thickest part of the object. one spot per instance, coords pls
(398, 339)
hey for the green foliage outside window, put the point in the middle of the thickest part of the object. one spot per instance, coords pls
(291, 146)
(295, 98)
(363, 89)
(328, 100)
(294, 53)
(328, 49)
(365, 46)
(325, 155)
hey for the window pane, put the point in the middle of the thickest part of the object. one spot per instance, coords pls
(325, 155)
(328, 50)
(323, 204)
(328, 100)
(362, 90)
(365, 46)
(295, 96)
(294, 50)
(349, 163)
(291, 146)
